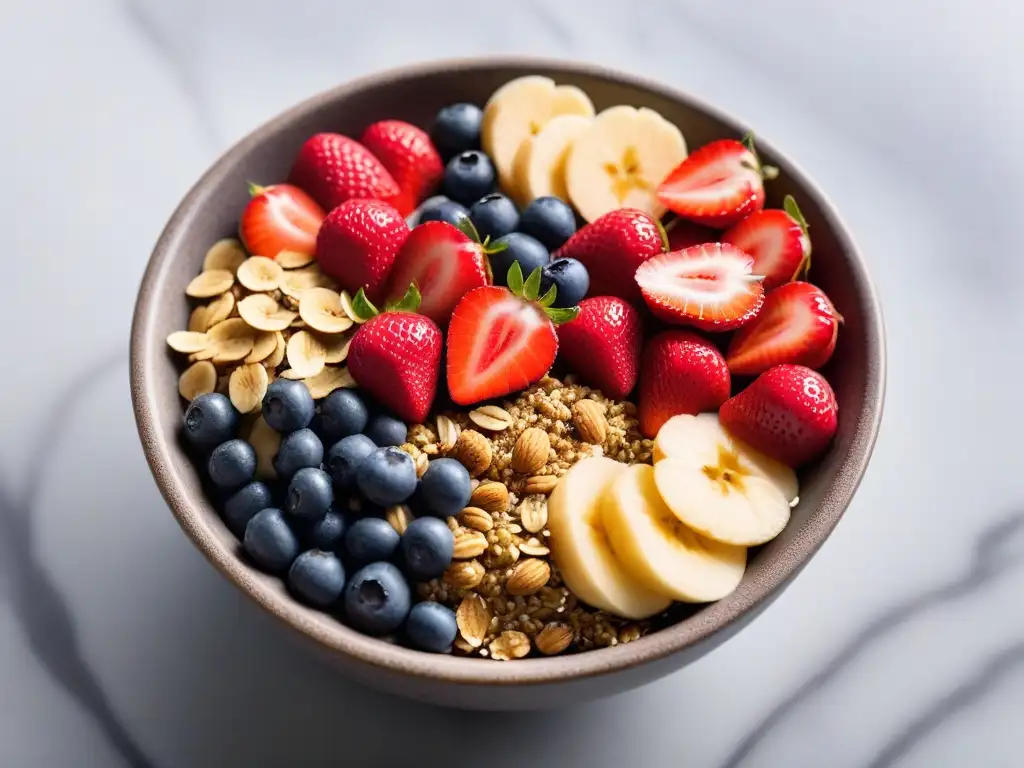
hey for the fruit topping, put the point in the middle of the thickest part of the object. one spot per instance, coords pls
(427, 547)
(457, 129)
(232, 464)
(789, 412)
(278, 218)
(431, 627)
(550, 220)
(344, 458)
(681, 372)
(287, 406)
(571, 279)
(777, 241)
(494, 215)
(710, 287)
(443, 209)
(468, 177)
(270, 541)
(685, 234)
(333, 168)
(310, 494)
(299, 449)
(377, 599)
(603, 344)
(317, 578)
(445, 488)
(342, 413)
(385, 429)
(538, 169)
(409, 156)
(371, 539)
(516, 248)
(387, 476)
(210, 419)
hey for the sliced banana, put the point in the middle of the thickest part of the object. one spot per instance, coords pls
(620, 161)
(519, 110)
(657, 549)
(539, 166)
(581, 548)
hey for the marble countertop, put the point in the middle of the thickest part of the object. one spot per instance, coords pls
(902, 644)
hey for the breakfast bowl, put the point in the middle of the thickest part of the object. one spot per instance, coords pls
(210, 215)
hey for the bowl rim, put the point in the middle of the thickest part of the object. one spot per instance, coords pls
(336, 638)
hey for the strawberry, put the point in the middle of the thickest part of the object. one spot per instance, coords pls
(501, 340)
(358, 242)
(612, 247)
(719, 184)
(279, 218)
(777, 241)
(396, 356)
(685, 234)
(681, 372)
(445, 262)
(797, 324)
(410, 157)
(333, 168)
(603, 344)
(707, 286)
(789, 412)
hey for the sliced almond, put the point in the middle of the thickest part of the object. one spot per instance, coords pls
(306, 354)
(293, 283)
(533, 513)
(211, 283)
(247, 386)
(277, 356)
(473, 618)
(232, 328)
(289, 374)
(265, 442)
(197, 320)
(225, 254)
(293, 259)
(321, 310)
(232, 350)
(198, 379)
(258, 273)
(348, 309)
(262, 347)
(399, 517)
(188, 342)
(220, 309)
(328, 380)
(264, 314)
(447, 432)
(337, 347)
(534, 548)
(492, 418)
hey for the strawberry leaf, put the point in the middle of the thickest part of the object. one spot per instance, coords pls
(363, 307)
(663, 233)
(548, 298)
(767, 172)
(531, 289)
(255, 189)
(465, 226)
(410, 302)
(515, 279)
(561, 315)
(790, 206)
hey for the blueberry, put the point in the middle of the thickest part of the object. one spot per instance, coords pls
(431, 627)
(210, 419)
(327, 533)
(342, 413)
(549, 219)
(270, 541)
(387, 476)
(445, 210)
(377, 599)
(445, 487)
(468, 177)
(427, 547)
(244, 503)
(310, 494)
(345, 457)
(371, 539)
(386, 430)
(232, 464)
(317, 578)
(494, 215)
(519, 247)
(570, 279)
(298, 449)
(288, 406)
(456, 129)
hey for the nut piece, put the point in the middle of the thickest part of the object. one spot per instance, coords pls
(553, 639)
(534, 548)
(528, 577)
(473, 618)
(469, 544)
(198, 379)
(306, 354)
(531, 450)
(399, 517)
(491, 417)
(293, 259)
(542, 484)
(464, 575)
(533, 512)
(247, 386)
(262, 347)
(510, 644)
(588, 416)
(321, 310)
(264, 314)
(476, 518)
(473, 451)
(447, 432)
(224, 254)
(265, 441)
(188, 342)
(211, 283)
(220, 309)
(491, 497)
(328, 380)
(258, 273)
(422, 463)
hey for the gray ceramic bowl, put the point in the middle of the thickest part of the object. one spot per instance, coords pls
(211, 210)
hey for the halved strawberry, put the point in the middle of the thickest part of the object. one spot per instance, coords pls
(685, 234)
(710, 287)
(444, 262)
(502, 340)
(278, 218)
(777, 241)
(719, 184)
(797, 325)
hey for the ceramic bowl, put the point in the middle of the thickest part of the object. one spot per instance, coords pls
(211, 211)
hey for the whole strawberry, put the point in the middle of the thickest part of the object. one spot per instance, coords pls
(333, 168)
(409, 156)
(612, 247)
(357, 245)
(681, 372)
(789, 412)
(396, 357)
(603, 344)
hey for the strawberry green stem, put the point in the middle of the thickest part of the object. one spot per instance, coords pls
(255, 189)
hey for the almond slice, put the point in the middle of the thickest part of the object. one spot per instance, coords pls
(198, 379)
(262, 347)
(277, 356)
(263, 313)
(258, 273)
(328, 380)
(306, 354)
(211, 283)
(232, 328)
(321, 310)
(197, 320)
(265, 442)
(492, 418)
(225, 254)
(293, 259)
(232, 350)
(337, 347)
(188, 342)
(220, 309)
(247, 386)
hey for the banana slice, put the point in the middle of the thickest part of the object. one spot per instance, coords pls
(580, 547)
(687, 437)
(539, 166)
(620, 161)
(519, 110)
(660, 551)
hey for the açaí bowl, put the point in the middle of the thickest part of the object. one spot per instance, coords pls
(211, 210)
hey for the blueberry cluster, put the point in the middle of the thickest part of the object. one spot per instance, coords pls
(470, 190)
(321, 524)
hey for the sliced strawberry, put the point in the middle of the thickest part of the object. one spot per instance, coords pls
(719, 184)
(279, 218)
(685, 234)
(444, 263)
(710, 287)
(777, 241)
(797, 325)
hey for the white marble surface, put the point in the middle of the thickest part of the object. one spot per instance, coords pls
(901, 645)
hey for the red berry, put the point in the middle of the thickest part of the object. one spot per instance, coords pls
(333, 168)
(777, 241)
(279, 218)
(409, 156)
(603, 344)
